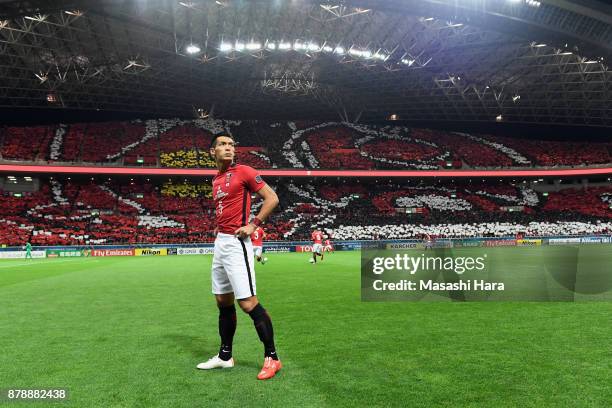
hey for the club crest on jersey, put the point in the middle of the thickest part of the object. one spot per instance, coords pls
(258, 179)
(219, 193)
(228, 177)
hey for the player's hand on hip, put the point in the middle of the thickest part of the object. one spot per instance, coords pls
(245, 231)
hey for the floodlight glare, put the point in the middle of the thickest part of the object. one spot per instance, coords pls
(192, 49)
(225, 47)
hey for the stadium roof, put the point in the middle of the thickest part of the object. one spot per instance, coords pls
(518, 61)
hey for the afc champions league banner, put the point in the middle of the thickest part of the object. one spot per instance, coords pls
(496, 273)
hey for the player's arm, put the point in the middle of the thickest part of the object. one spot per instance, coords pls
(270, 201)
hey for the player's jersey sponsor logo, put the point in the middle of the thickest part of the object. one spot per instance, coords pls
(219, 194)
(258, 179)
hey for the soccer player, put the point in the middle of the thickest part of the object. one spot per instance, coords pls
(428, 240)
(257, 239)
(317, 238)
(28, 248)
(328, 246)
(233, 273)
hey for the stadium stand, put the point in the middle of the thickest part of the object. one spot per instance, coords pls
(73, 142)
(594, 202)
(80, 212)
(184, 144)
(102, 140)
(26, 143)
(333, 148)
(559, 153)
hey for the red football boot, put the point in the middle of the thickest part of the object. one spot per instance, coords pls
(270, 368)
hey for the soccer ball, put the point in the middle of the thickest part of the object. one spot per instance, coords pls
(265, 259)
(311, 260)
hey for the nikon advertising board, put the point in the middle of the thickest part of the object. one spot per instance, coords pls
(151, 252)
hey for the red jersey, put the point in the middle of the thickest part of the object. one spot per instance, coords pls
(232, 194)
(317, 237)
(327, 242)
(257, 237)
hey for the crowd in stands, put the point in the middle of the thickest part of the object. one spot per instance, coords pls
(186, 159)
(595, 202)
(333, 148)
(185, 144)
(357, 211)
(401, 150)
(26, 143)
(73, 142)
(560, 153)
(79, 212)
(464, 149)
(102, 140)
(469, 230)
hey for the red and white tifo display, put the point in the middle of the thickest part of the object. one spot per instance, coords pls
(97, 212)
(172, 144)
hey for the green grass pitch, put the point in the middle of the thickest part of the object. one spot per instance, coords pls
(128, 332)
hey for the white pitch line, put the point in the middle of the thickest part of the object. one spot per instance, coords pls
(42, 263)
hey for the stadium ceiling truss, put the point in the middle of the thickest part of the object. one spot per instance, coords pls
(520, 61)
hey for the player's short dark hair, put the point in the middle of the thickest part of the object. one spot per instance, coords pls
(213, 142)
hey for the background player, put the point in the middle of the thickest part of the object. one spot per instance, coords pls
(257, 239)
(428, 241)
(324, 248)
(28, 249)
(328, 246)
(233, 273)
(317, 247)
